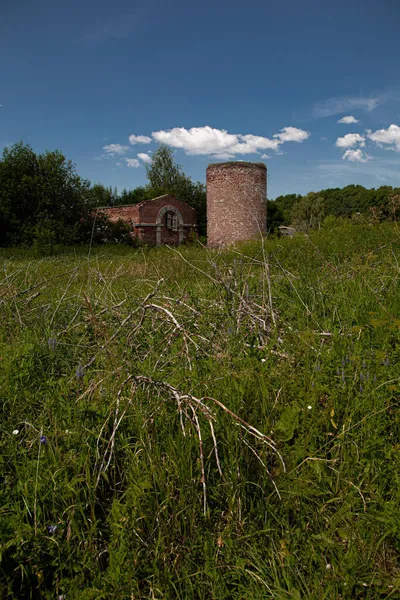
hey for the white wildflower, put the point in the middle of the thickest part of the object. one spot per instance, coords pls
(15, 432)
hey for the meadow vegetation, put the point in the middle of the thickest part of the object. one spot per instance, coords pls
(192, 423)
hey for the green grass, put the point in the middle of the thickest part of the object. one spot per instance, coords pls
(122, 358)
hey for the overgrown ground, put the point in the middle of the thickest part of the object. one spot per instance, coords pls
(193, 424)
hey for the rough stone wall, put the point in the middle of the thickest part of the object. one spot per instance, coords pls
(125, 213)
(147, 214)
(236, 202)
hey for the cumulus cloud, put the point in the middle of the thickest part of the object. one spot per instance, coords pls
(139, 139)
(389, 136)
(343, 104)
(349, 140)
(292, 134)
(265, 156)
(356, 156)
(348, 120)
(221, 144)
(115, 149)
(146, 158)
(132, 163)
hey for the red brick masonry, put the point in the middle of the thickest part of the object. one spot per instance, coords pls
(162, 220)
(236, 202)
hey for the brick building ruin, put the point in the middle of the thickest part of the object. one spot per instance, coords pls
(236, 202)
(162, 220)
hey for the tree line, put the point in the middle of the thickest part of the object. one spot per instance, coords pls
(334, 206)
(45, 203)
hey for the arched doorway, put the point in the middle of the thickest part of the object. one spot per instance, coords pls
(169, 225)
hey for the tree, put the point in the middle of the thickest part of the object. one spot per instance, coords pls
(40, 196)
(134, 196)
(103, 196)
(309, 212)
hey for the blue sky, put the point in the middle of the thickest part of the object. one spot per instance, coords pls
(105, 82)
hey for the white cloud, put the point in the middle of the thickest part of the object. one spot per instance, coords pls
(265, 156)
(115, 149)
(348, 120)
(292, 134)
(390, 136)
(350, 140)
(221, 144)
(222, 156)
(133, 163)
(144, 157)
(139, 139)
(343, 104)
(356, 156)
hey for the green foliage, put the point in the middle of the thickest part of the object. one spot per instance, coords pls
(98, 229)
(101, 195)
(42, 198)
(308, 213)
(134, 196)
(353, 201)
(107, 362)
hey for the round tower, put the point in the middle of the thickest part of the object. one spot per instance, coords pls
(236, 202)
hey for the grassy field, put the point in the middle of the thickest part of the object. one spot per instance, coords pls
(197, 424)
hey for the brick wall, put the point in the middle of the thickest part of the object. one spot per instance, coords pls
(236, 202)
(146, 214)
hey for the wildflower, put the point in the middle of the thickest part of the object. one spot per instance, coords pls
(361, 376)
(43, 439)
(80, 371)
(52, 343)
(361, 389)
(309, 407)
(328, 566)
(263, 360)
(51, 529)
(386, 362)
(15, 432)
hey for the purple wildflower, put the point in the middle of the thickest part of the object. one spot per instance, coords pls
(43, 439)
(80, 371)
(51, 529)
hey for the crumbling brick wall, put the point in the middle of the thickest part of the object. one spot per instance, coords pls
(236, 202)
(149, 219)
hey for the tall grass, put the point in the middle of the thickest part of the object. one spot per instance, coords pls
(200, 424)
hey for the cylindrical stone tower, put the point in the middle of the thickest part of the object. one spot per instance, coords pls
(236, 202)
